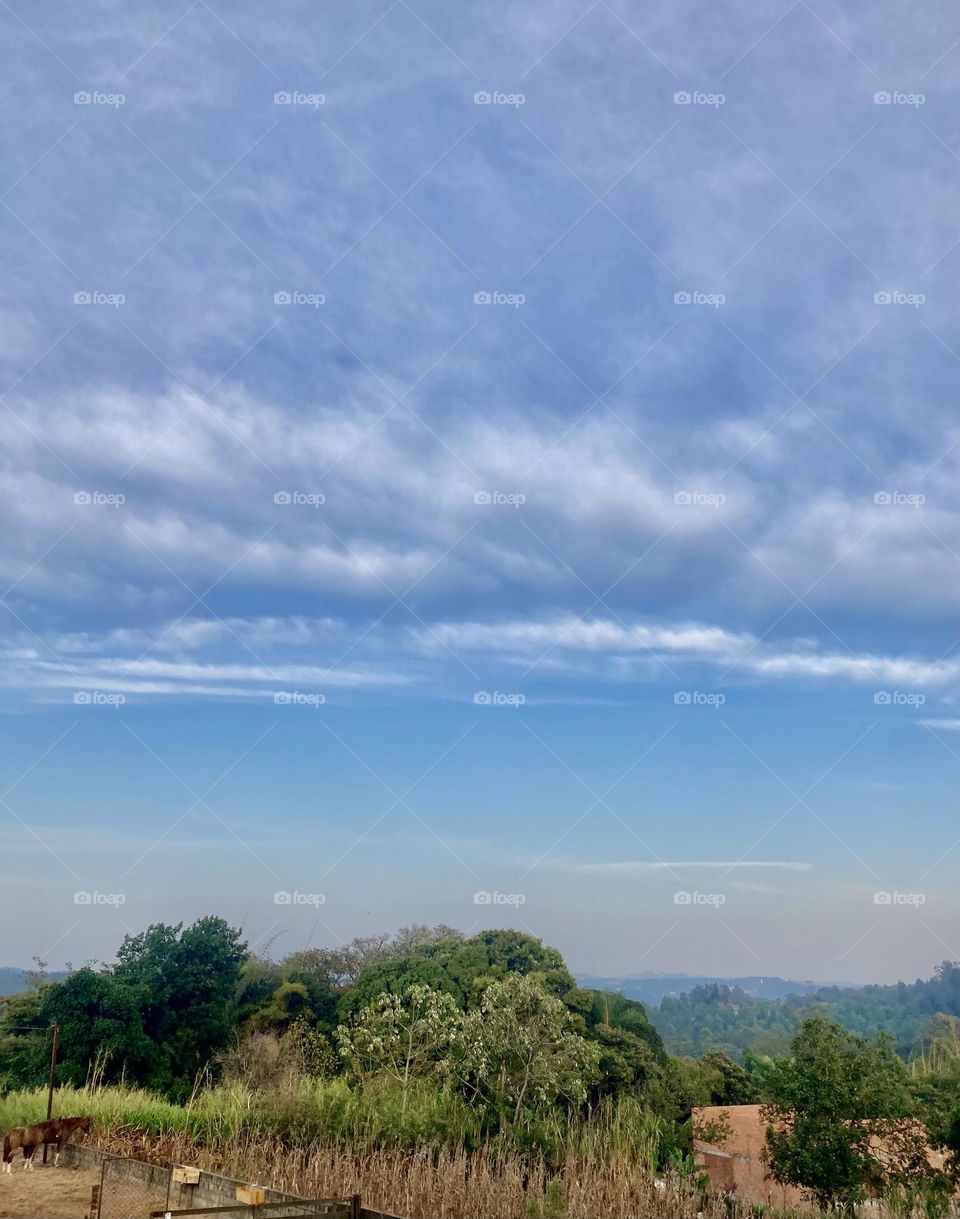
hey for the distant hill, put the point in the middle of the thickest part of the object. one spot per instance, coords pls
(727, 1017)
(14, 980)
(652, 988)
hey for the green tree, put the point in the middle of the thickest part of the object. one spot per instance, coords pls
(730, 1084)
(935, 1081)
(185, 981)
(100, 1025)
(403, 1037)
(521, 1050)
(289, 1002)
(24, 1039)
(464, 968)
(842, 1120)
(342, 967)
(626, 1062)
(258, 980)
(616, 1011)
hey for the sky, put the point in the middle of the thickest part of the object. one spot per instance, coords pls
(487, 464)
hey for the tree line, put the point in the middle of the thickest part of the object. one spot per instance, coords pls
(727, 1018)
(495, 1027)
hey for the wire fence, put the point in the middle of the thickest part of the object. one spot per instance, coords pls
(307, 1208)
(119, 1196)
(168, 1190)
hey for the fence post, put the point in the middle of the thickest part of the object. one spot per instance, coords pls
(355, 1206)
(103, 1173)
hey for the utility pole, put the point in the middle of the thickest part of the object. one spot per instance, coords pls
(53, 1078)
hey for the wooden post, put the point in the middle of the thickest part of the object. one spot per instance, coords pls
(53, 1077)
(103, 1174)
(251, 1195)
(355, 1206)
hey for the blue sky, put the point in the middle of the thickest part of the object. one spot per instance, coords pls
(502, 450)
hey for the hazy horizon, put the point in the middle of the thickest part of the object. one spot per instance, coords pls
(643, 975)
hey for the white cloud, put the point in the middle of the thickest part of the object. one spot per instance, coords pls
(239, 657)
(629, 867)
(527, 641)
(599, 511)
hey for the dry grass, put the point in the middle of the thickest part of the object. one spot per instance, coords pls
(435, 1183)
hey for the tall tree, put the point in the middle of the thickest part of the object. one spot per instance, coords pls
(24, 1039)
(842, 1122)
(464, 968)
(403, 1037)
(101, 1026)
(186, 983)
(521, 1050)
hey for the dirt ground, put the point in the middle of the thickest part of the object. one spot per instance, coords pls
(64, 1193)
(54, 1193)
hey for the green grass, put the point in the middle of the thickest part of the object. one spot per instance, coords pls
(108, 1107)
(331, 1112)
(310, 1111)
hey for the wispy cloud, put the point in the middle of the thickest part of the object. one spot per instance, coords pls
(630, 867)
(241, 658)
(527, 641)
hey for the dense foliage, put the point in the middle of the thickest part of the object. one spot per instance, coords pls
(157, 1017)
(844, 1122)
(728, 1019)
(487, 1041)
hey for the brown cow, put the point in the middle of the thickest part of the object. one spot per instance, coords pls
(56, 1131)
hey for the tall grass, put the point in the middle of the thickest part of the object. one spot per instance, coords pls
(431, 1183)
(302, 1112)
(322, 1138)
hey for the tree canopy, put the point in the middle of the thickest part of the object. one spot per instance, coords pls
(494, 1029)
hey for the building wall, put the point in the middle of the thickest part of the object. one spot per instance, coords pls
(738, 1166)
